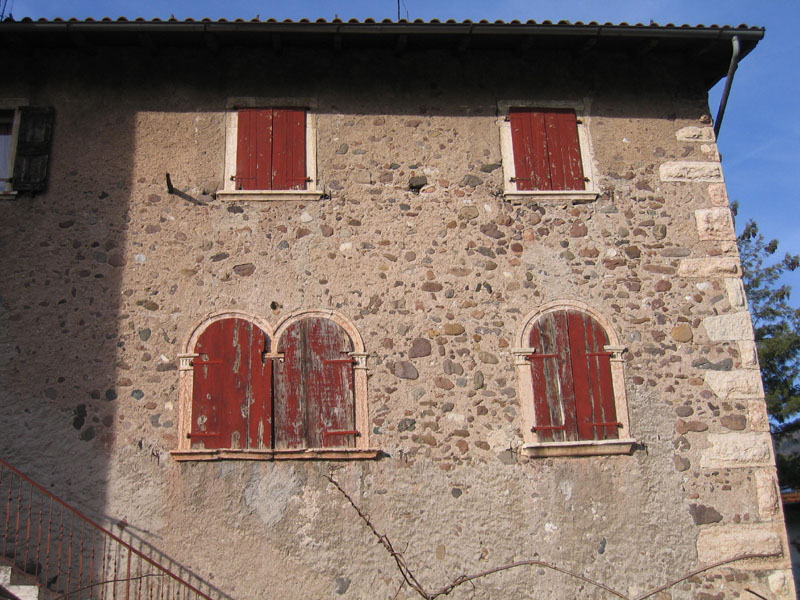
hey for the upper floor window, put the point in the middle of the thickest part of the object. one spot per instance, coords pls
(245, 396)
(26, 134)
(270, 152)
(545, 152)
(572, 384)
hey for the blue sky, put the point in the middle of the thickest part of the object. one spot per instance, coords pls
(761, 128)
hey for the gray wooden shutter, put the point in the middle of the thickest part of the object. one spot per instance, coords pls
(33, 149)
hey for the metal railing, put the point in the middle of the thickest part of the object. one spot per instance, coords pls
(70, 554)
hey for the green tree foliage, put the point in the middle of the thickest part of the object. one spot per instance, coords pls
(775, 321)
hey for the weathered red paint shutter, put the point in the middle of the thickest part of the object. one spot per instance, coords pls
(603, 414)
(551, 374)
(547, 153)
(33, 149)
(530, 149)
(232, 395)
(254, 149)
(564, 151)
(289, 149)
(314, 387)
(289, 390)
(583, 388)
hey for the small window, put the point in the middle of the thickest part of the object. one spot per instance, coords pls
(547, 154)
(571, 380)
(25, 138)
(244, 395)
(544, 153)
(270, 153)
(6, 156)
(271, 149)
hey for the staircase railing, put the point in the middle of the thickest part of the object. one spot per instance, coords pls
(70, 554)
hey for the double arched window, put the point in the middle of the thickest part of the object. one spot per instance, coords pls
(249, 393)
(571, 383)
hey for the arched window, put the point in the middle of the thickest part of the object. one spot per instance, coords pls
(315, 386)
(232, 387)
(300, 392)
(572, 383)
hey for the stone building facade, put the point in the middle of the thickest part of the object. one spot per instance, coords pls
(410, 237)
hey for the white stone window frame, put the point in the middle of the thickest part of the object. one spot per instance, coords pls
(362, 449)
(7, 187)
(532, 446)
(229, 192)
(510, 191)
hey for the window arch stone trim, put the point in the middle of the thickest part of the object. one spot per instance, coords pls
(532, 445)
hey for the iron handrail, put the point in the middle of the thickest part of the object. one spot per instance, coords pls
(7, 514)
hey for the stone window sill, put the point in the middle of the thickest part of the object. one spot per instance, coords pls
(267, 195)
(8, 195)
(290, 454)
(574, 196)
(580, 448)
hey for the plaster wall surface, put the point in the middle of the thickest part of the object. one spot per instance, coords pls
(106, 275)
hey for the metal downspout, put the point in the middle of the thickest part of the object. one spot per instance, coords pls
(728, 82)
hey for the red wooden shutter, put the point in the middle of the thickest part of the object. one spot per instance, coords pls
(564, 151)
(314, 387)
(600, 416)
(254, 149)
(232, 395)
(33, 149)
(551, 373)
(289, 149)
(546, 148)
(571, 377)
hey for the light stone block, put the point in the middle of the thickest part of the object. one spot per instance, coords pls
(718, 194)
(709, 267)
(767, 490)
(748, 353)
(733, 326)
(729, 541)
(779, 584)
(736, 295)
(695, 134)
(714, 224)
(731, 450)
(757, 415)
(691, 171)
(738, 383)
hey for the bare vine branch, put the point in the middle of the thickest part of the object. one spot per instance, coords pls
(410, 579)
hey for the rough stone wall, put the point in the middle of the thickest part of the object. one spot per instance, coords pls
(106, 275)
